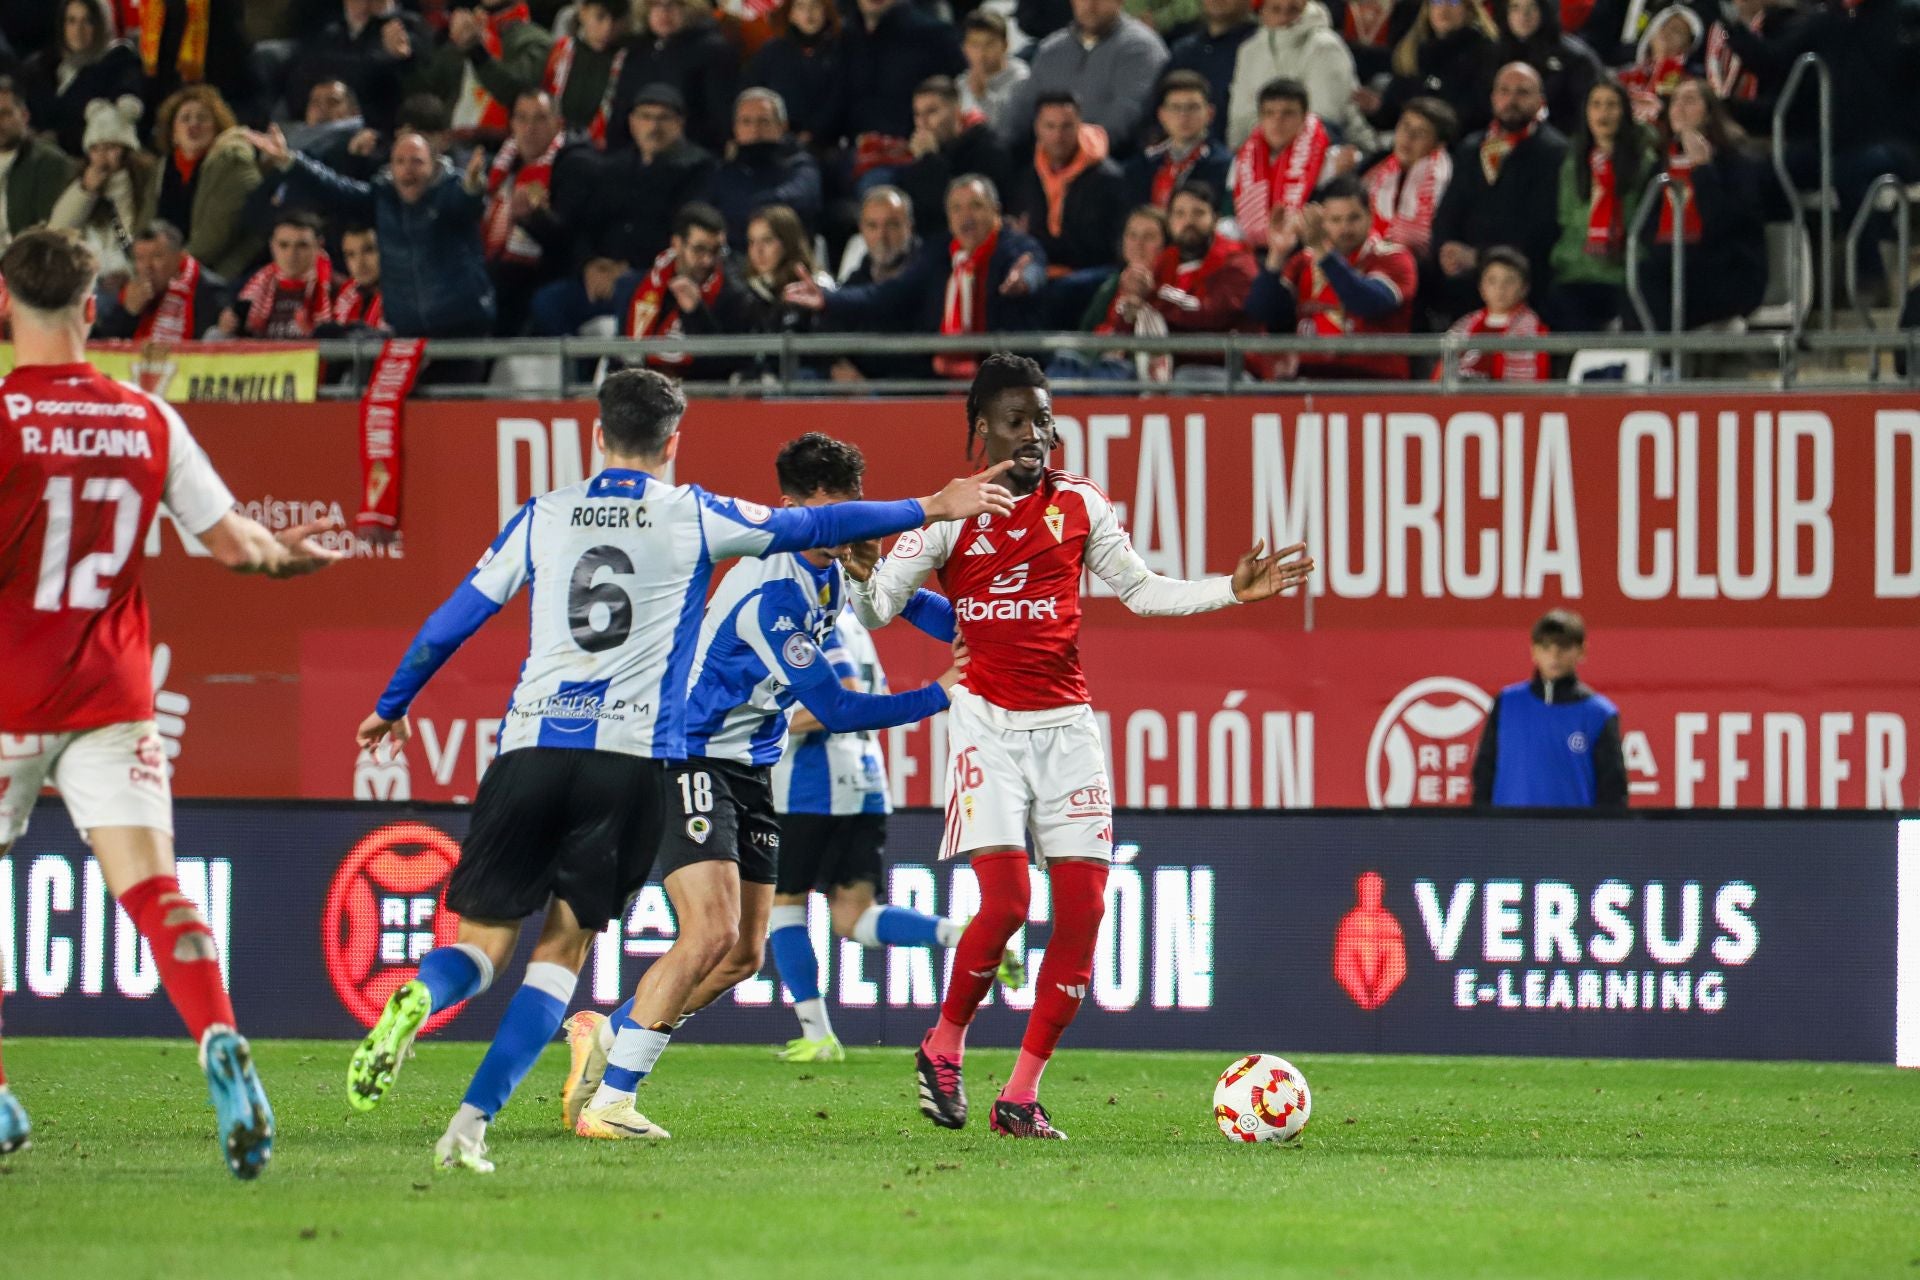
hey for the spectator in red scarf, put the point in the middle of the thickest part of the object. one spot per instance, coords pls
(1073, 200)
(1504, 313)
(1327, 274)
(1146, 238)
(291, 295)
(517, 221)
(946, 143)
(494, 49)
(1406, 184)
(1722, 223)
(691, 290)
(1505, 190)
(1185, 152)
(358, 305)
(209, 172)
(1295, 41)
(170, 298)
(1201, 282)
(1749, 101)
(1668, 53)
(993, 274)
(578, 72)
(1601, 182)
(1280, 163)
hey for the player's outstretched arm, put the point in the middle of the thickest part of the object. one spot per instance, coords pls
(736, 528)
(1111, 556)
(479, 596)
(775, 627)
(244, 545)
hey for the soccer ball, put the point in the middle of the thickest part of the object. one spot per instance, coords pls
(1262, 1098)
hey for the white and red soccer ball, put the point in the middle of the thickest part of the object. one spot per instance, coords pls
(1262, 1098)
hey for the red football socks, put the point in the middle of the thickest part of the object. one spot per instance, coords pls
(1004, 891)
(1079, 901)
(182, 946)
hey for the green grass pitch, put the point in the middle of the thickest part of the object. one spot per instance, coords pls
(1416, 1167)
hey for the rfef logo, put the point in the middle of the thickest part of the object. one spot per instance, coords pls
(1421, 752)
(1369, 948)
(385, 909)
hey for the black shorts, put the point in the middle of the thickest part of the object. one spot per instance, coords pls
(581, 826)
(721, 811)
(823, 852)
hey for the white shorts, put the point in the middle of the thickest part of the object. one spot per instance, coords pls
(114, 776)
(1004, 783)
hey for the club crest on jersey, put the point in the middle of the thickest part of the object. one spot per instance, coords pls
(698, 829)
(752, 511)
(799, 651)
(1056, 523)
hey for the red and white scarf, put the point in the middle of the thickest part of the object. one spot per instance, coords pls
(1603, 205)
(1170, 171)
(1403, 200)
(171, 319)
(1680, 169)
(1498, 145)
(315, 292)
(560, 67)
(1502, 366)
(1726, 74)
(505, 238)
(965, 310)
(1365, 24)
(191, 58)
(353, 305)
(655, 313)
(480, 109)
(1651, 84)
(1263, 181)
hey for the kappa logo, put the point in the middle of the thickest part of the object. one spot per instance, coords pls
(1421, 752)
(783, 624)
(1005, 584)
(981, 546)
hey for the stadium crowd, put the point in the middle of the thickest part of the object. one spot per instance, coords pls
(435, 168)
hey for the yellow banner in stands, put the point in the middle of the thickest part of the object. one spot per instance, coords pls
(230, 372)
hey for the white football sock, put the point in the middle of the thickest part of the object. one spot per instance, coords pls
(948, 932)
(635, 1051)
(814, 1023)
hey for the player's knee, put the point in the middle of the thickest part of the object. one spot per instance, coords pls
(845, 916)
(711, 940)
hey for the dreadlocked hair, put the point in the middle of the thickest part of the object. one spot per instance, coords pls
(1001, 371)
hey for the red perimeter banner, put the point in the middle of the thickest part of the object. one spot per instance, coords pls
(1749, 568)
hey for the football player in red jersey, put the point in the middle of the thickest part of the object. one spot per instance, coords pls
(1025, 753)
(85, 463)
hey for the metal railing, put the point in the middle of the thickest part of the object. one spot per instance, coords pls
(1661, 189)
(1796, 200)
(1869, 205)
(1770, 361)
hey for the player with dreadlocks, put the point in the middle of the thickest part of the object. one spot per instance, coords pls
(1024, 751)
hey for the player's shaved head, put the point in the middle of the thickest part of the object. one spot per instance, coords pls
(817, 463)
(639, 411)
(49, 271)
